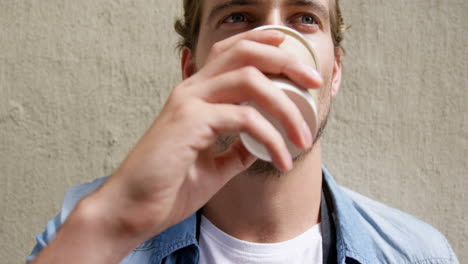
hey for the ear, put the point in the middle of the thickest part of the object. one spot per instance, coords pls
(187, 63)
(336, 80)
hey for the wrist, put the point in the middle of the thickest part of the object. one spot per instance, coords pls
(89, 235)
(111, 210)
(96, 217)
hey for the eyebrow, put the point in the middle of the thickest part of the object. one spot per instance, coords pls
(321, 10)
(317, 6)
(229, 4)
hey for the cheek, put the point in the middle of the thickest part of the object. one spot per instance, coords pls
(326, 59)
(206, 39)
(200, 57)
(325, 91)
(202, 50)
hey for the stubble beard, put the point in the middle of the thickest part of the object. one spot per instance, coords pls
(267, 169)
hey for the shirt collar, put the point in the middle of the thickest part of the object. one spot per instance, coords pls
(174, 238)
(351, 239)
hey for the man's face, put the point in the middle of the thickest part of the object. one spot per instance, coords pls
(224, 18)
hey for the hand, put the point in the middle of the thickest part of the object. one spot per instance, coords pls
(172, 171)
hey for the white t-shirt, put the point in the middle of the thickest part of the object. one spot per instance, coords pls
(219, 247)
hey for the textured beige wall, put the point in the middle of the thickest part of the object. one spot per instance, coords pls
(81, 80)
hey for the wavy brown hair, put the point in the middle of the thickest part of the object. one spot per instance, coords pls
(188, 26)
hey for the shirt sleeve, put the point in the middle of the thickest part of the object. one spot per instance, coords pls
(72, 197)
(43, 239)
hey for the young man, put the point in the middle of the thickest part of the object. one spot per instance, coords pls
(148, 211)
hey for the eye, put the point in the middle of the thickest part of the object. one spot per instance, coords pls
(236, 18)
(306, 23)
(307, 19)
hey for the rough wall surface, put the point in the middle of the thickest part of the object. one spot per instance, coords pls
(80, 81)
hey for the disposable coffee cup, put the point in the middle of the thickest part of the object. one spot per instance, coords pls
(306, 100)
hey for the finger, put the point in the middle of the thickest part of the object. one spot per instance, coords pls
(268, 37)
(227, 119)
(234, 160)
(249, 84)
(267, 59)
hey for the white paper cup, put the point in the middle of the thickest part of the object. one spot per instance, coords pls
(305, 100)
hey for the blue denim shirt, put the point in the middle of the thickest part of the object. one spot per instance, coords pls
(366, 232)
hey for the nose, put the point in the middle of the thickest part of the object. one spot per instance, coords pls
(273, 17)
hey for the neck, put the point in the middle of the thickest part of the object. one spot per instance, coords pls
(263, 209)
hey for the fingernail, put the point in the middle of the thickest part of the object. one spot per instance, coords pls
(284, 166)
(312, 72)
(276, 33)
(306, 136)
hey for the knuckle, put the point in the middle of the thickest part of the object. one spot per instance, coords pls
(274, 137)
(184, 109)
(216, 48)
(272, 142)
(180, 111)
(248, 114)
(275, 141)
(243, 50)
(250, 75)
(176, 93)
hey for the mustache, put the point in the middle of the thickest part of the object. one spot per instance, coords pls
(264, 168)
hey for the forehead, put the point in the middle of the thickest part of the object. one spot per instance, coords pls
(209, 4)
(212, 7)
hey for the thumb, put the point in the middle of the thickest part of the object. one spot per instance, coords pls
(234, 160)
